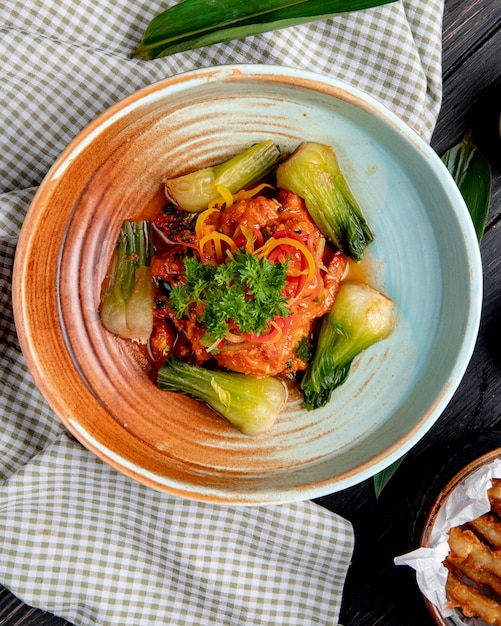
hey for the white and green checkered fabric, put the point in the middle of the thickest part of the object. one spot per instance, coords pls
(77, 538)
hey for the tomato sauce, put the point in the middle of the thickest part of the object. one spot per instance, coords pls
(278, 227)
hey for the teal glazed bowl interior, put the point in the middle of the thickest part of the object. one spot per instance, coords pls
(425, 257)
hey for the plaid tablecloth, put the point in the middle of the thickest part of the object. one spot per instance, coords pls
(77, 538)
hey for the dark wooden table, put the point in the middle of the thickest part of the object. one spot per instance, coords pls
(377, 592)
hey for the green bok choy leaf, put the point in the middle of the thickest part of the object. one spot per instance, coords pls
(360, 317)
(250, 404)
(312, 171)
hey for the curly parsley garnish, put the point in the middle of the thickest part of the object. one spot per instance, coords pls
(242, 295)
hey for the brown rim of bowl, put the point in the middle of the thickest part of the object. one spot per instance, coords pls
(435, 509)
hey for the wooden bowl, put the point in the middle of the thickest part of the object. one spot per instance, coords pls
(479, 464)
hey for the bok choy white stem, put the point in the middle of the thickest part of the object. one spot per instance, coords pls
(250, 404)
(127, 296)
(193, 192)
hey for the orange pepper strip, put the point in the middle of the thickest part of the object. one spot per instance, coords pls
(233, 338)
(272, 336)
(216, 239)
(249, 243)
(243, 194)
(225, 197)
(187, 244)
(225, 194)
(200, 223)
(272, 243)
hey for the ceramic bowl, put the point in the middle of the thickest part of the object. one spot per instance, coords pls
(425, 257)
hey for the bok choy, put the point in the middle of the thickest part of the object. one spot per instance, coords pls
(193, 192)
(360, 317)
(250, 404)
(312, 172)
(127, 295)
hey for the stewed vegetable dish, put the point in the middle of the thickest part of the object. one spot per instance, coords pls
(241, 283)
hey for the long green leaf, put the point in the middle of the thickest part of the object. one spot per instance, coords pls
(195, 23)
(382, 478)
(472, 174)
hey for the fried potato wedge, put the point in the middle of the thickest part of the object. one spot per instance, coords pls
(494, 495)
(467, 546)
(474, 565)
(472, 602)
(488, 526)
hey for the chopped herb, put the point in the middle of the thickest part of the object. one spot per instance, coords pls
(303, 350)
(242, 295)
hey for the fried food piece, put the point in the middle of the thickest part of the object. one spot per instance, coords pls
(488, 526)
(471, 601)
(495, 489)
(468, 547)
(482, 578)
(474, 563)
(494, 495)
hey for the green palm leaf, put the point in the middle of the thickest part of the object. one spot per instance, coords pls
(472, 173)
(195, 23)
